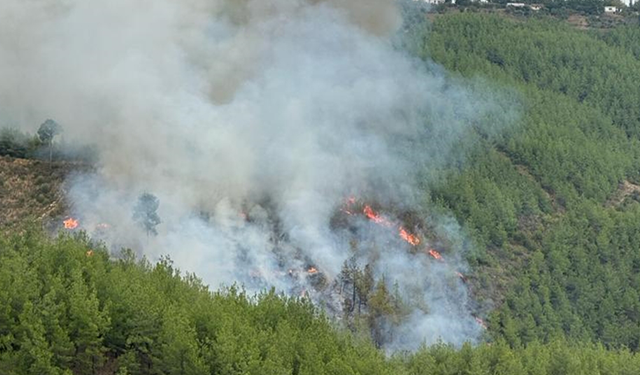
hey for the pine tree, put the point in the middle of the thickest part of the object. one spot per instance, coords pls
(145, 213)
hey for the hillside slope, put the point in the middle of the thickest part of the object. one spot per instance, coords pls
(546, 198)
(67, 308)
(31, 189)
(550, 204)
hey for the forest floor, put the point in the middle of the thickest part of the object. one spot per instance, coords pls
(32, 189)
(626, 189)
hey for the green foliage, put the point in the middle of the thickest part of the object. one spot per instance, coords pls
(64, 310)
(625, 37)
(48, 130)
(544, 202)
(541, 196)
(16, 144)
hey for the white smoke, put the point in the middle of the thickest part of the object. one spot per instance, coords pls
(276, 110)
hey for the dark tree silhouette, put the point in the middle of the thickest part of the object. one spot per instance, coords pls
(145, 213)
(46, 132)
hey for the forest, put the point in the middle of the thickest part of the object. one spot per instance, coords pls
(67, 308)
(556, 199)
(551, 204)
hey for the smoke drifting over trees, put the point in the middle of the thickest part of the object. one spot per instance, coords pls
(275, 111)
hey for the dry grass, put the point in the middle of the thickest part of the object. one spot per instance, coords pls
(32, 190)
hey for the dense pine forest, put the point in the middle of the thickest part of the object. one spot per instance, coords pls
(68, 309)
(554, 201)
(551, 204)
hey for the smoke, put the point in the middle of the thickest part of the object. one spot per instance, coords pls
(274, 111)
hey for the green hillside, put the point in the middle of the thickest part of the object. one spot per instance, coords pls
(553, 199)
(551, 204)
(65, 308)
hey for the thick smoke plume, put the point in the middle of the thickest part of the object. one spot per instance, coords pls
(251, 121)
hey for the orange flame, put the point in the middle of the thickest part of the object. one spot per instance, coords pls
(435, 254)
(410, 238)
(312, 270)
(70, 223)
(403, 233)
(375, 217)
(90, 253)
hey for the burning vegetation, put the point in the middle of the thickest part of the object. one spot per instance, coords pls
(301, 147)
(364, 292)
(70, 223)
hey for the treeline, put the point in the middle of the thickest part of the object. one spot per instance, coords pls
(66, 308)
(563, 9)
(625, 37)
(17, 144)
(553, 198)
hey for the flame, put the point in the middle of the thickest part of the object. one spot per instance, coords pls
(312, 270)
(435, 254)
(375, 217)
(372, 215)
(410, 238)
(70, 223)
(90, 253)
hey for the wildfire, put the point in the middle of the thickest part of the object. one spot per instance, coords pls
(378, 219)
(410, 238)
(90, 253)
(435, 254)
(312, 270)
(375, 217)
(70, 223)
